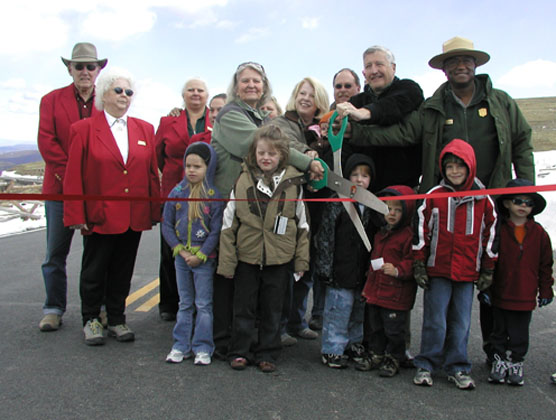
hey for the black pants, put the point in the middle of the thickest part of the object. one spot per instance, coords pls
(169, 297)
(387, 329)
(510, 334)
(222, 304)
(106, 268)
(263, 289)
(487, 321)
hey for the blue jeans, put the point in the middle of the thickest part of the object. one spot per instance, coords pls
(194, 287)
(58, 242)
(446, 321)
(342, 320)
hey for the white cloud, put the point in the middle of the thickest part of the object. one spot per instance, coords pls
(154, 99)
(253, 34)
(118, 23)
(430, 81)
(533, 74)
(18, 83)
(310, 23)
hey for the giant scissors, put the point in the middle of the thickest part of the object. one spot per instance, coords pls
(345, 188)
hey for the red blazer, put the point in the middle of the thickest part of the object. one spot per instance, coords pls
(172, 139)
(95, 166)
(58, 111)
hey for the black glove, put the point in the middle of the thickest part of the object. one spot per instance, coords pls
(420, 274)
(485, 279)
(544, 302)
(484, 298)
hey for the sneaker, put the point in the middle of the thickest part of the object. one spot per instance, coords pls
(122, 332)
(316, 323)
(287, 340)
(423, 377)
(175, 356)
(335, 361)
(462, 380)
(307, 334)
(202, 359)
(103, 318)
(356, 353)
(93, 333)
(50, 322)
(267, 367)
(239, 363)
(553, 378)
(498, 371)
(389, 368)
(369, 362)
(515, 373)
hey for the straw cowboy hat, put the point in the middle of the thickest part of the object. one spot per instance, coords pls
(458, 46)
(84, 52)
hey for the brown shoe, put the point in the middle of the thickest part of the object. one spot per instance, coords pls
(267, 367)
(50, 322)
(239, 363)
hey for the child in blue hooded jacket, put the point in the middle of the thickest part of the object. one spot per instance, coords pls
(192, 229)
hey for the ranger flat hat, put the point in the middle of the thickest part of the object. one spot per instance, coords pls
(458, 46)
(84, 52)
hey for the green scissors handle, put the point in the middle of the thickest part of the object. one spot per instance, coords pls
(317, 185)
(336, 140)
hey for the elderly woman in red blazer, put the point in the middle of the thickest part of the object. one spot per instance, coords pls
(172, 138)
(111, 154)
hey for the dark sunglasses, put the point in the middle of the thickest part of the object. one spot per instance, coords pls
(519, 201)
(119, 90)
(90, 67)
(346, 85)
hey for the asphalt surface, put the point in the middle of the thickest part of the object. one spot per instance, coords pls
(56, 376)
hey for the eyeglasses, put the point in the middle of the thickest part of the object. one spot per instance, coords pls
(119, 90)
(345, 85)
(258, 66)
(519, 201)
(90, 67)
(453, 62)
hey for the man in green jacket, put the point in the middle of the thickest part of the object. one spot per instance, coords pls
(465, 107)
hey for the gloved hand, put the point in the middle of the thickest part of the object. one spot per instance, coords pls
(420, 274)
(544, 302)
(484, 298)
(485, 279)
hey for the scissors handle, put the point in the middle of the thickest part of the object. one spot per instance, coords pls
(336, 140)
(317, 185)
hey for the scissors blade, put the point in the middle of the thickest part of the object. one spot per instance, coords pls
(348, 189)
(354, 216)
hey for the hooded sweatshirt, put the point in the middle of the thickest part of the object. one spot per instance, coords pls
(393, 245)
(199, 236)
(455, 236)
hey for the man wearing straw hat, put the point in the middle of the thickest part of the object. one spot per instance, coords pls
(58, 111)
(465, 107)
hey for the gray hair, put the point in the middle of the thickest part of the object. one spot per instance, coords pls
(377, 48)
(105, 81)
(267, 89)
(355, 76)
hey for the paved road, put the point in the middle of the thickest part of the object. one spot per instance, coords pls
(56, 376)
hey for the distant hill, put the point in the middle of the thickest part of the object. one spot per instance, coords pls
(9, 159)
(16, 147)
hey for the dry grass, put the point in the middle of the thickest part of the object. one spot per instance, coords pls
(541, 115)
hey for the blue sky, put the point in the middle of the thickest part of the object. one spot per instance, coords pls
(165, 42)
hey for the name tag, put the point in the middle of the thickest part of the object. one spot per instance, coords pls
(449, 122)
(141, 143)
(280, 224)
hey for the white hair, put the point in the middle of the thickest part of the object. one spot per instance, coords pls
(375, 48)
(106, 79)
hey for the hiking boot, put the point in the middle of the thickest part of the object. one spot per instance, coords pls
(423, 377)
(316, 323)
(287, 340)
(498, 371)
(122, 332)
(356, 352)
(50, 322)
(307, 334)
(369, 362)
(93, 333)
(462, 380)
(336, 361)
(202, 359)
(389, 368)
(515, 373)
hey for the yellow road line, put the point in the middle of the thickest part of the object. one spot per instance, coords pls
(149, 304)
(141, 292)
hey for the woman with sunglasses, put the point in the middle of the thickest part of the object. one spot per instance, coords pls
(111, 154)
(232, 135)
(172, 138)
